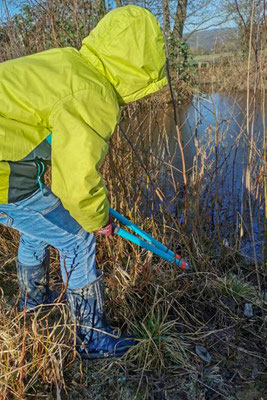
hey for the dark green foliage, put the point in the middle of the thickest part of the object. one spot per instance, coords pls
(180, 58)
(181, 66)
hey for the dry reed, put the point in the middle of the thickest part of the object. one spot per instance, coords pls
(171, 313)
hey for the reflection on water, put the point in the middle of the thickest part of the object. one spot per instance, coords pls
(222, 139)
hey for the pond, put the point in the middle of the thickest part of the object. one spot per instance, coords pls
(225, 145)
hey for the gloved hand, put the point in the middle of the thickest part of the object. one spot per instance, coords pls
(107, 229)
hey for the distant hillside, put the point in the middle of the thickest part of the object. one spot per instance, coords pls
(211, 39)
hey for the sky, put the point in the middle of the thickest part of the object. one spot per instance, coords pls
(12, 8)
(211, 16)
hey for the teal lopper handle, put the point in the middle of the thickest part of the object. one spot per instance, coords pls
(150, 244)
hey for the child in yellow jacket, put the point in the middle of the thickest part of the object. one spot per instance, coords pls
(76, 95)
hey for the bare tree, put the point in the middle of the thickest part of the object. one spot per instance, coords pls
(245, 19)
(180, 17)
(194, 15)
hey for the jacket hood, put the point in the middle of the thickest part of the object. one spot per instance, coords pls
(127, 47)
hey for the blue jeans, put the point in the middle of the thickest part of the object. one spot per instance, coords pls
(42, 220)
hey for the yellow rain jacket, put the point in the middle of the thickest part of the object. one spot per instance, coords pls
(76, 95)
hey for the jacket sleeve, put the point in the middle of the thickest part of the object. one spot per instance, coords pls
(82, 126)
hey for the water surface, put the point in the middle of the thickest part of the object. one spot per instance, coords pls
(224, 139)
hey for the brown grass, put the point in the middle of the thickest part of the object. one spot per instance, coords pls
(231, 74)
(171, 313)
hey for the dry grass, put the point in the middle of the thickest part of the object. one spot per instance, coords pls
(231, 74)
(171, 313)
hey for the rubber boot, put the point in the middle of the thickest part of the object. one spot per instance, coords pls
(95, 338)
(34, 284)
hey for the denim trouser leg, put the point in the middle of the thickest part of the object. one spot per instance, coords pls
(31, 251)
(41, 221)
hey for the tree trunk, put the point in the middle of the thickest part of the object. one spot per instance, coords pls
(165, 4)
(180, 18)
(118, 3)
